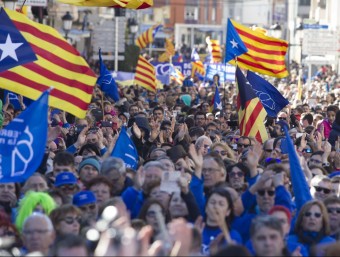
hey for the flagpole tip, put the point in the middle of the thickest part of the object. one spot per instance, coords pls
(50, 89)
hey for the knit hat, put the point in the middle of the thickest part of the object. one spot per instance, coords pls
(177, 152)
(143, 123)
(65, 178)
(282, 209)
(89, 161)
(83, 198)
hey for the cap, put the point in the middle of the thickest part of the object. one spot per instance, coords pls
(83, 198)
(176, 152)
(65, 178)
(90, 161)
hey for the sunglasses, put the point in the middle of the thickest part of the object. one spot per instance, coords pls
(242, 145)
(333, 210)
(236, 174)
(268, 150)
(282, 118)
(315, 214)
(269, 192)
(325, 190)
(87, 207)
(71, 220)
(223, 153)
(269, 160)
(315, 161)
(67, 187)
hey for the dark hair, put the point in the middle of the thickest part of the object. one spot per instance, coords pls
(146, 205)
(91, 147)
(309, 118)
(199, 113)
(100, 180)
(239, 165)
(332, 108)
(317, 153)
(224, 193)
(232, 250)
(158, 108)
(67, 241)
(63, 158)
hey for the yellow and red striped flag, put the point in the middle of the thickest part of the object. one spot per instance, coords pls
(35, 57)
(215, 49)
(197, 67)
(147, 36)
(251, 113)
(169, 47)
(265, 55)
(129, 4)
(145, 74)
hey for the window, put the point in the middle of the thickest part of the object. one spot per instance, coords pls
(191, 13)
(213, 14)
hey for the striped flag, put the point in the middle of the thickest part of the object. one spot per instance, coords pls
(129, 4)
(35, 57)
(215, 49)
(265, 55)
(169, 47)
(251, 113)
(147, 36)
(145, 74)
(197, 67)
(176, 75)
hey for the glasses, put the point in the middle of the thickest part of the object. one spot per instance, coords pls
(315, 214)
(325, 190)
(242, 145)
(333, 210)
(210, 170)
(269, 192)
(88, 207)
(268, 150)
(269, 160)
(67, 187)
(315, 161)
(223, 153)
(71, 220)
(236, 174)
(282, 118)
(206, 146)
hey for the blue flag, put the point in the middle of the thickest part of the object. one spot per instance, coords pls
(106, 81)
(299, 182)
(234, 44)
(271, 99)
(217, 100)
(23, 141)
(194, 55)
(126, 150)
(14, 99)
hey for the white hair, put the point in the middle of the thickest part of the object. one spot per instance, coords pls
(35, 215)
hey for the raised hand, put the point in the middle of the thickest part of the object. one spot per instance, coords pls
(136, 131)
(197, 157)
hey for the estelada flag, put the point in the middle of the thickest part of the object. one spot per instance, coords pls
(35, 57)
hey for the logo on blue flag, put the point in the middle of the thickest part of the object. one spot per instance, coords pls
(271, 99)
(22, 142)
(14, 99)
(106, 81)
(14, 49)
(194, 55)
(126, 150)
(234, 44)
(217, 100)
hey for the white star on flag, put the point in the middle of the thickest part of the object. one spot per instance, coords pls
(219, 106)
(234, 43)
(8, 49)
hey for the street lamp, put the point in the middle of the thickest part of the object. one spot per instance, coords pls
(276, 30)
(67, 23)
(133, 26)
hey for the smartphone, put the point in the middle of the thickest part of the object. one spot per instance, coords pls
(79, 128)
(169, 182)
(107, 124)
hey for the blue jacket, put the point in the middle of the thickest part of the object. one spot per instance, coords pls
(133, 200)
(197, 189)
(210, 233)
(324, 240)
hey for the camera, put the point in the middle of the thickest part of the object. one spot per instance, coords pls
(107, 124)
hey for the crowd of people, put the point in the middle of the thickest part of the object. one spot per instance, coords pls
(200, 188)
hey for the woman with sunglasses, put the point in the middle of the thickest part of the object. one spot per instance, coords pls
(236, 176)
(312, 226)
(66, 219)
(223, 150)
